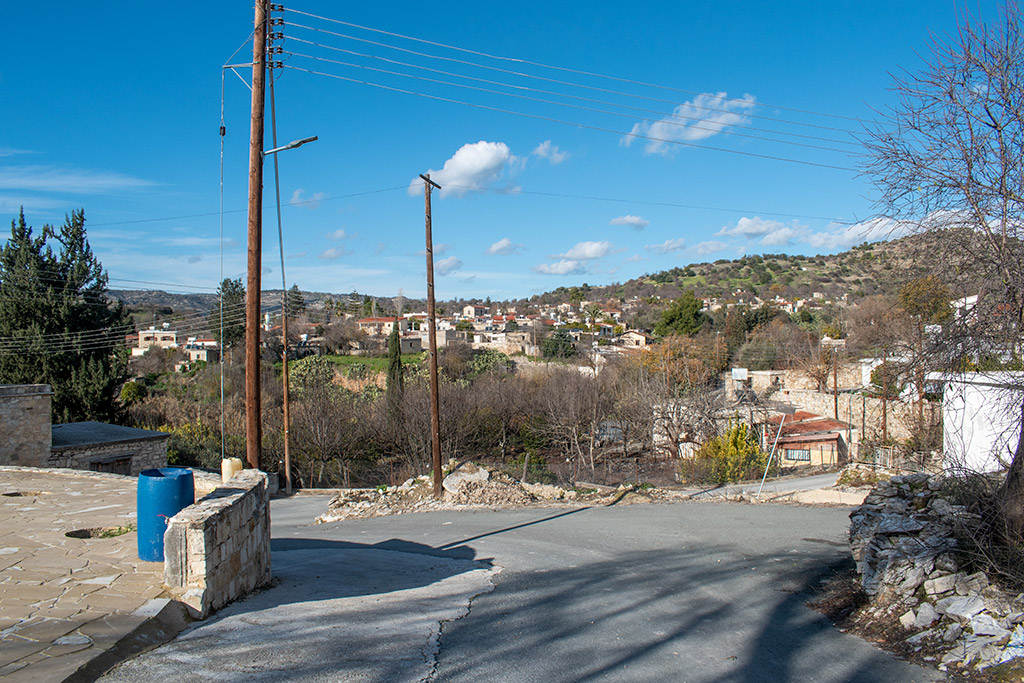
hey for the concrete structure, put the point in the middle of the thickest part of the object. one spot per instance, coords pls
(981, 419)
(25, 424)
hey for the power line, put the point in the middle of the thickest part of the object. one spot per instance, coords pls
(217, 213)
(571, 123)
(552, 66)
(553, 92)
(673, 205)
(574, 106)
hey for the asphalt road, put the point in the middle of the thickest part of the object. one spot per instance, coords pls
(682, 592)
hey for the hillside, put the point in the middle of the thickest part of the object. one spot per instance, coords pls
(867, 269)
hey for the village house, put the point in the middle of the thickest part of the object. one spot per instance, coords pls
(164, 338)
(807, 440)
(379, 327)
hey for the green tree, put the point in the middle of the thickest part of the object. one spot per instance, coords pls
(57, 324)
(395, 387)
(683, 316)
(230, 299)
(294, 302)
(559, 344)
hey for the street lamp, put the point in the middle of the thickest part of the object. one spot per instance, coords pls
(284, 293)
(291, 145)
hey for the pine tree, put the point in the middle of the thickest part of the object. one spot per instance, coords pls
(232, 294)
(57, 326)
(294, 303)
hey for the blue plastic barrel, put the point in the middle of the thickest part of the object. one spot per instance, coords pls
(162, 493)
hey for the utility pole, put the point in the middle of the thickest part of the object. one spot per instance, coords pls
(284, 297)
(253, 421)
(435, 419)
(835, 379)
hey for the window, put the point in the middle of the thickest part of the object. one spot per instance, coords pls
(798, 454)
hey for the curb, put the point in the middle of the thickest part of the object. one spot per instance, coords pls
(161, 620)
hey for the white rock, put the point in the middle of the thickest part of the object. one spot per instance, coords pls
(985, 625)
(940, 584)
(908, 619)
(960, 607)
(460, 477)
(926, 616)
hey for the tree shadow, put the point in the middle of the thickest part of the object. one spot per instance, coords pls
(696, 613)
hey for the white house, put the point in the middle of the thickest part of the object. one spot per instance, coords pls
(164, 338)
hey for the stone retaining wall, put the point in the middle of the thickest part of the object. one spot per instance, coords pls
(218, 549)
(904, 539)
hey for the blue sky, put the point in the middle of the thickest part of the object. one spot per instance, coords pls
(115, 108)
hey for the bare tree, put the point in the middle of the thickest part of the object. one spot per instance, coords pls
(946, 159)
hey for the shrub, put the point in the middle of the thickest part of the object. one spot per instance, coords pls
(733, 456)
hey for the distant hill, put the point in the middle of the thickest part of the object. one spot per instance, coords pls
(867, 269)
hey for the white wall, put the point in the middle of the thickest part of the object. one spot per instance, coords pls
(981, 419)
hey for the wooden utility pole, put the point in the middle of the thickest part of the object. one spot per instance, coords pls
(435, 418)
(253, 421)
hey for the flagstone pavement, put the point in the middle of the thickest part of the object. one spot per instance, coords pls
(67, 600)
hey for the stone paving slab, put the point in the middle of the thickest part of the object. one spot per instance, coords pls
(65, 601)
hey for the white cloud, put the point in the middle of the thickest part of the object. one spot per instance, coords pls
(705, 115)
(552, 153)
(709, 247)
(12, 151)
(504, 246)
(587, 251)
(635, 222)
(447, 266)
(76, 181)
(668, 246)
(331, 254)
(473, 167)
(311, 202)
(874, 230)
(338, 234)
(563, 267)
(782, 236)
(750, 227)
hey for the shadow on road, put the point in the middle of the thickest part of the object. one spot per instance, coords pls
(697, 614)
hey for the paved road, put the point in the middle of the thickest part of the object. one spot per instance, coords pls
(684, 592)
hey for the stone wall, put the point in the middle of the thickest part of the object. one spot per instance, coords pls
(904, 539)
(25, 424)
(862, 412)
(218, 549)
(142, 455)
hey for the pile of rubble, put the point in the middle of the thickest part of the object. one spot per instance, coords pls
(466, 484)
(904, 541)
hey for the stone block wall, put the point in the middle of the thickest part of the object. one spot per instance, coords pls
(218, 549)
(862, 412)
(25, 424)
(143, 454)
